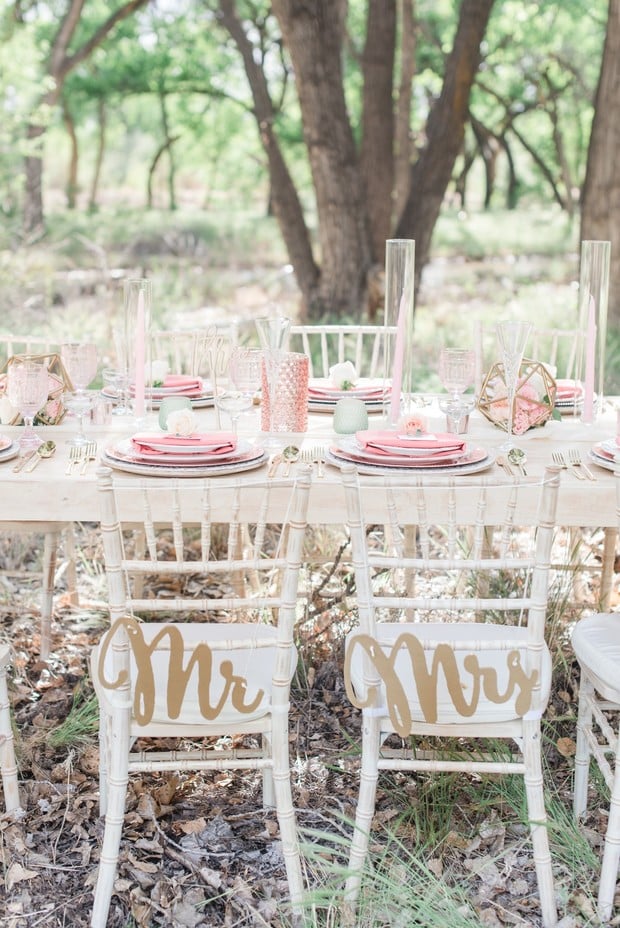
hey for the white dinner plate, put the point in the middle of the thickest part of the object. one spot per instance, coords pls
(366, 388)
(194, 458)
(186, 450)
(406, 451)
(318, 405)
(198, 402)
(9, 452)
(607, 463)
(114, 457)
(477, 460)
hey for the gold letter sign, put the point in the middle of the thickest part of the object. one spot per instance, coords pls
(178, 676)
(426, 680)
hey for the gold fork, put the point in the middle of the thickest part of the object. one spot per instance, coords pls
(75, 456)
(574, 458)
(90, 454)
(314, 456)
(559, 459)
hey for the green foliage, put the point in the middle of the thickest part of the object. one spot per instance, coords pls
(81, 726)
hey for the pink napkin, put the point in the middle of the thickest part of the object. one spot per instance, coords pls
(183, 382)
(386, 442)
(568, 390)
(359, 390)
(178, 385)
(208, 443)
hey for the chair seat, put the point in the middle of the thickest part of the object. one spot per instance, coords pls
(596, 643)
(207, 678)
(455, 635)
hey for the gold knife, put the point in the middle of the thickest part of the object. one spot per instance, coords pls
(23, 461)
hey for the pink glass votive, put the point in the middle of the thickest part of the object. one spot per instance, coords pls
(290, 381)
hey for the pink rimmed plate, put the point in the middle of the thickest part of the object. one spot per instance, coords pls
(418, 458)
(115, 458)
(475, 460)
(366, 388)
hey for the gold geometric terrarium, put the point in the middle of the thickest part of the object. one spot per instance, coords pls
(534, 399)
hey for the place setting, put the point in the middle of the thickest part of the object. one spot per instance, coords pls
(606, 454)
(179, 450)
(343, 381)
(382, 451)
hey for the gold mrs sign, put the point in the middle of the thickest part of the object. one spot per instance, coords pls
(482, 679)
(178, 674)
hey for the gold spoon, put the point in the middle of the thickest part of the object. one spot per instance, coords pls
(45, 450)
(518, 457)
(502, 462)
(290, 455)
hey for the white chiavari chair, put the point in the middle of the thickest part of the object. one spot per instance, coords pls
(8, 763)
(53, 532)
(326, 345)
(596, 643)
(442, 648)
(224, 667)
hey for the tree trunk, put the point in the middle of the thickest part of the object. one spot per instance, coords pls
(172, 199)
(283, 197)
(377, 148)
(431, 174)
(33, 197)
(165, 146)
(72, 173)
(402, 133)
(313, 34)
(601, 192)
(94, 187)
(61, 62)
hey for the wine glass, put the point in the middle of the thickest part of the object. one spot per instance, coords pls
(28, 390)
(512, 337)
(244, 374)
(456, 372)
(80, 361)
(273, 332)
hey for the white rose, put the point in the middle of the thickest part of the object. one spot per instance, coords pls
(159, 369)
(181, 422)
(343, 376)
(7, 412)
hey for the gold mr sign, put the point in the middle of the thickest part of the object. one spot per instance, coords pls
(444, 666)
(147, 677)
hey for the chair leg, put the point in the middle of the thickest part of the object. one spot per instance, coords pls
(117, 792)
(538, 822)
(69, 547)
(50, 550)
(269, 799)
(611, 851)
(286, 815)
(369, 774)
(607, 568)
(582, 750)
(8, 764)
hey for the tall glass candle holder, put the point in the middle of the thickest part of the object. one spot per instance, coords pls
(593, 298)
(137, 342)
(399, 297)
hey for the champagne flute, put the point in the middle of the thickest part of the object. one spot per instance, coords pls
(512, 337)
(28, 390)
(80, 361)
(273, 332)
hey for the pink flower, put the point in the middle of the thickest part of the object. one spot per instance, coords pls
(412, 424)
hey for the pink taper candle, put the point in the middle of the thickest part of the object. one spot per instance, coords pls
(399, 353)
(588, 393)
(140, 358)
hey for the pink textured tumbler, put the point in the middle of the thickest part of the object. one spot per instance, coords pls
(290, 379)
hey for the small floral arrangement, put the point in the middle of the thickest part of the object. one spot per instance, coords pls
(158, 372)
(343, 376)
(412, 424)
(534, 401)
(181, 422)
